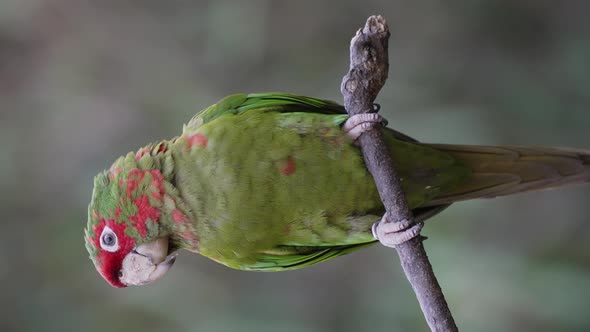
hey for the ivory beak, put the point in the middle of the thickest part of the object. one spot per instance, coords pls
(147, 263)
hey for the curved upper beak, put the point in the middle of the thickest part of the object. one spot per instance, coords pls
(147, 263)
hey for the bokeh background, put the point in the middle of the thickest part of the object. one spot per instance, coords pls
(82, 82)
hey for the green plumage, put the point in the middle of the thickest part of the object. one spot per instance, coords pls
(250, 215)
(271, 182)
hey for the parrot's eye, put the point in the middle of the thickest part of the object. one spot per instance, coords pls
(108, 240)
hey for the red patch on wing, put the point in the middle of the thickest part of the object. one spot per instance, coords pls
(288, 166)
(144, 212)
(198, 139)
(178, 216)
(109, 263)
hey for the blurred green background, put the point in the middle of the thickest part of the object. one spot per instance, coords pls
(82, 82)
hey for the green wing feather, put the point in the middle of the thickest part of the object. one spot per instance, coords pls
(299, 254)
(433, 175)
(281, 102)
(286, 258)
(289, 257)
(274, 101)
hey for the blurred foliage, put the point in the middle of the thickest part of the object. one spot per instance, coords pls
(82, 82)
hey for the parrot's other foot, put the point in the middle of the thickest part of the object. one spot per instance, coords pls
(359, 123)
(391, 234)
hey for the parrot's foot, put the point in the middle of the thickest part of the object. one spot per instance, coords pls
(358, 124)
(391, 234)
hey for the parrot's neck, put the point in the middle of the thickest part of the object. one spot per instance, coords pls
(182, 222)
(177, 221)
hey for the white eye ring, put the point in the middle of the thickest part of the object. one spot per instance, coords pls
(108, 240)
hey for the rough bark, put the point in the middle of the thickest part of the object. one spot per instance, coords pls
(368, 72)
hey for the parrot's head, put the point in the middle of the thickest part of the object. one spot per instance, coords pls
(132, 221)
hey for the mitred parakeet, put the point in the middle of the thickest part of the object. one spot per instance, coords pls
(273, 182)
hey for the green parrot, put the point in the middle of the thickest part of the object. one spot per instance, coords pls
(274, 182)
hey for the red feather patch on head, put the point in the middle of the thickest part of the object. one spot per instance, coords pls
(144, 212)
(141, 152)
(157, 180)
(109, 263)
(134, 177)
(114, 171)
(145, 209)
(178, 216)
(129, 204)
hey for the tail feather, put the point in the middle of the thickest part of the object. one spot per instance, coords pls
(505, 170)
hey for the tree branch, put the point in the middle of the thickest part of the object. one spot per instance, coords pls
(367, 75)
